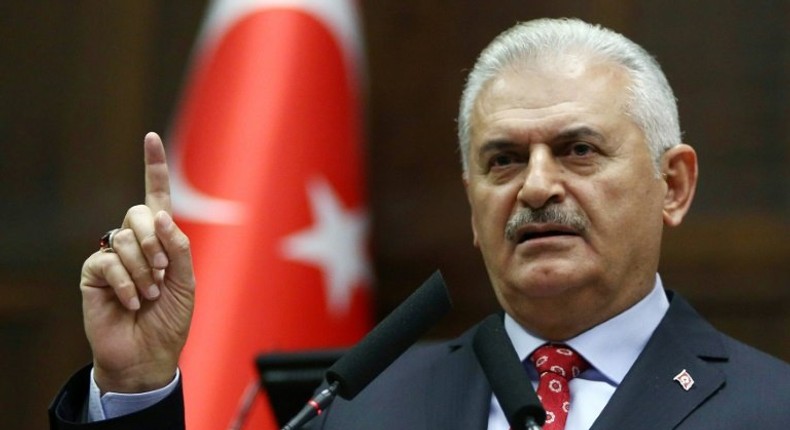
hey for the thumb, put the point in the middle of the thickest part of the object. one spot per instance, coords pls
(177, 247)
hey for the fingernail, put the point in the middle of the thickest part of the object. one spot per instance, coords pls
(134, 304)
(160, 260)
(153, 292)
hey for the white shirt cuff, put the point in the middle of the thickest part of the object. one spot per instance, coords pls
(111, 405)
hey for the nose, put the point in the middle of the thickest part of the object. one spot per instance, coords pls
(543, 181)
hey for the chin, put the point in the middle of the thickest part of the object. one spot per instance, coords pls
(550, 280)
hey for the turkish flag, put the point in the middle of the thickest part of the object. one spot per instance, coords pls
(267, 182)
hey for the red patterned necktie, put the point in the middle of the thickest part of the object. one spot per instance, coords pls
(556, 364)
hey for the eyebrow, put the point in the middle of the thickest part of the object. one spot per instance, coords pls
(496, 145)
(565, 135)
(577, 132)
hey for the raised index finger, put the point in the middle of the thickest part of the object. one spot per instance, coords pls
(157, 180)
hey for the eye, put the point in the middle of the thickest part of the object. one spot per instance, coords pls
(581, 149)
(504, 160)
(500, 160)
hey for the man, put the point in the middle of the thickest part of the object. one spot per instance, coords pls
(573, 165)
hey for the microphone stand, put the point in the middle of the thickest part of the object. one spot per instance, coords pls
(314, 407)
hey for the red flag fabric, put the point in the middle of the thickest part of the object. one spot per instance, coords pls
(267, 182)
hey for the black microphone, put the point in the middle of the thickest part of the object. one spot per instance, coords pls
(386, 342)
(507, 376)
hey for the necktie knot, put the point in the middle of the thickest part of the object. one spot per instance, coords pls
(560, 360)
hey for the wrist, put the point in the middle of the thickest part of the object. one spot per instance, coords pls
(135, 379)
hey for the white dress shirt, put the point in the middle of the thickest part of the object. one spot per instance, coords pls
(111, 405)
(611, 348)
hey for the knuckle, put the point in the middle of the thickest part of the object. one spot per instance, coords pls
(137, 210)
(123, 237)
(140, 272)
(124, 288)
(150, 243)
(90, 263)
(97, 264)
(182, 243)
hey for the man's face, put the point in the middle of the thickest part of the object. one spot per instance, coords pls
(566, 204)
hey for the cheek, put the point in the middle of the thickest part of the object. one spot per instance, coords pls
(621, 211)
(491, 208)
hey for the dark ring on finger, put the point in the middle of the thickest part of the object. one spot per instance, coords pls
(105, 243)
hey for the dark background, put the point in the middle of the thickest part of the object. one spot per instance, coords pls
(82, 81)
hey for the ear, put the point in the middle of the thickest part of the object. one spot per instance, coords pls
(465, 179)
(679, 167)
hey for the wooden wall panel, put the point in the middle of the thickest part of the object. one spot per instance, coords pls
(81, 85)
(84, 80)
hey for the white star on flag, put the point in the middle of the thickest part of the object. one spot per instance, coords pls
(336, 243)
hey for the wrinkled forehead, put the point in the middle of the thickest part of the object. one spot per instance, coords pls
(556, 81)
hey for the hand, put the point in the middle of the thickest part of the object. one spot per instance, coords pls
(137, 301)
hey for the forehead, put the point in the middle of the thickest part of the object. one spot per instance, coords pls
(548, 95)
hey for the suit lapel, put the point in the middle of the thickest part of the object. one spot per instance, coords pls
(460, 391)
(649, 397)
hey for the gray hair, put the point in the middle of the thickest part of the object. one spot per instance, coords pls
(651, 104)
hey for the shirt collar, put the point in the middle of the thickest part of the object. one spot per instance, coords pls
(611, 347)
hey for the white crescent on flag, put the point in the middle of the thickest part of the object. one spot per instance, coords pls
(190, 203)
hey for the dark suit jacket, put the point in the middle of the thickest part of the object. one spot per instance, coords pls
(443, 387)
(69, 410)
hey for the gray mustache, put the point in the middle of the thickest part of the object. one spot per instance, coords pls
(553, 214)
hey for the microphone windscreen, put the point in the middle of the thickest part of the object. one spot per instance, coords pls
(391, 337)
(505, 373)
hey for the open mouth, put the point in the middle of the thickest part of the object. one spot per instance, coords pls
(529, 235)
